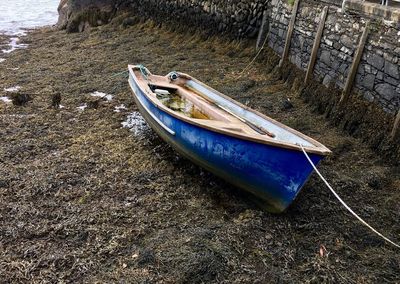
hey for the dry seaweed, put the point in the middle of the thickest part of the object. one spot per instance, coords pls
(84, 200)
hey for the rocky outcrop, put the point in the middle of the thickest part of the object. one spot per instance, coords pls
(240, 18)
(77, 15)
(62, 14)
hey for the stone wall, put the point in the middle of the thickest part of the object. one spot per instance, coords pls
(239, 18)
(378, 77)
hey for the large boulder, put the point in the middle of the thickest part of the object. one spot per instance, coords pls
(77, 15)
(62, 14)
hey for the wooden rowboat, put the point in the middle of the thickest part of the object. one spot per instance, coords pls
(236, 143)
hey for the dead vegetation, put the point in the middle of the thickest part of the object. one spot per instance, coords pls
(84, 200)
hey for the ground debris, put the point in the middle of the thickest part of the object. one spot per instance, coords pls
(20, 99)
(82, 199)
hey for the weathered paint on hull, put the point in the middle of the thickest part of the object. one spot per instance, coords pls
(273, 174)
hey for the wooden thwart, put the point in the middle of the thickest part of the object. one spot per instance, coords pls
(354, 65)
(317, 42)
(289, 33)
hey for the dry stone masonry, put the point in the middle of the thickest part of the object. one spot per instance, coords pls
(378, 74)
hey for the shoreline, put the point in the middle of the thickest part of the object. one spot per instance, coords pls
(11, 41)
(84, 199)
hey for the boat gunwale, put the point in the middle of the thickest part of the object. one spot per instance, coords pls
(318, 149)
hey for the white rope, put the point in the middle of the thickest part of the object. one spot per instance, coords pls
(255, 57)
(344, 204)
(263, 45)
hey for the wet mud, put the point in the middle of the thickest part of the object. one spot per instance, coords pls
(91, 194)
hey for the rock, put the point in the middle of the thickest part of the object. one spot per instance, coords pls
(390, 80)
(62, 14)
(343, 68)
(369, 97)
(347, 41)
(146, 256)
(327, 80)
(325, 57)
(3, 183)
(329, 42)
(392, 70)
(368, 81)
(336, 45)
(78, 15)
(376, 61)
(301, 41)
(130, 21)
(379, 75)
(93, 103)
(19, 99)
(385, 90)
(287, 104)
(56, 100)
(346, 50)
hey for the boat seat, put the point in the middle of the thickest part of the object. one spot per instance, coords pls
(218, 117)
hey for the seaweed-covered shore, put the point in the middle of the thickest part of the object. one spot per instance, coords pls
(83, 199)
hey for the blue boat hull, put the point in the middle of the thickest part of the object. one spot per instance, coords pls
(274, 175)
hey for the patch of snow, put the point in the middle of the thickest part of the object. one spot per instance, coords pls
(135, 123)
(14, 45)
(82, 107)
(12, 89)
(5, 99)
(119, 108)
(102, 95)
(14, 69)
(61, 106)
(2, 60)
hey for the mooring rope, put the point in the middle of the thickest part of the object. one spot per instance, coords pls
(143, 70)
(344, 204)
(263, 45)
(255, 57)
(119, 73)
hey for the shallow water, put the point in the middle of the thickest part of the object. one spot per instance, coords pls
(17, 15)
(181, 105)
(14, 45)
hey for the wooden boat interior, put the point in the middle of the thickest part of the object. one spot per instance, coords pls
(190, 100)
